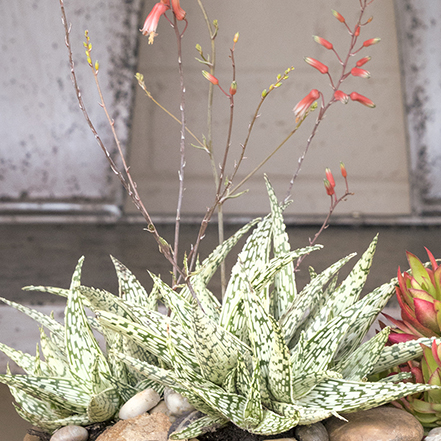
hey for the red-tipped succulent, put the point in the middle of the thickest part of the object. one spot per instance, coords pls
(425, 406)
(419, 296)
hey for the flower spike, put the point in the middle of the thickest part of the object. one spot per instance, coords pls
(362, 99)
(302, 106)
(322, 68)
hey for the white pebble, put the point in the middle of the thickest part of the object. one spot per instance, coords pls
(70, 433)
(141, 403)
(176, 403)
(434, 435)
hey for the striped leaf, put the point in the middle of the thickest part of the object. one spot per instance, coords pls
(104, 405)
(202, 425)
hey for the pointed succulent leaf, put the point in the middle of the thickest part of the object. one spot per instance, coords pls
(83, 351)
(56, 328)
(358, 365)
(304, 383)
(62, 392)
(368, 309)
(343, 396)
(253, 257)
(273, 424)
(284, 284)
(62, 292)
(143, 335)
(204, 424)
(307, 299)
(25, 361)
(280, 368)
(253, 412)
(130, 289)
(104, 405)
(54, 355)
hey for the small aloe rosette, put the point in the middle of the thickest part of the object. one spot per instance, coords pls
(425, 406)
(419, 295)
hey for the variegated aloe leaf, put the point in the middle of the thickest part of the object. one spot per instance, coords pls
(55, 357)
(253, 257)
(56, 329)
(307, 299)
(62, 292)
(285, 289)
(344, 296)
(104, 405)
(202, 425)
(25, 361)
(64, 393)
(130, 289)
(152, 341)
(369, 307)
(340, 395)
(399, 353)
(359, 364)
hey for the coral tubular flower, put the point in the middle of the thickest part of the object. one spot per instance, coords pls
(325, 43)
(361, 99)
(329, 188)
(177, 10)
(371, 41)
(322, 68)
(341, 96)
(233, 88)
(302, 106)
(338, 16)
(212, 79)
(151, 22)
(343, 171)
(362, 61)
(363, 73)
(357, 31)
(330, 177)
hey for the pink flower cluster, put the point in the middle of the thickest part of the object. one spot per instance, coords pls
(302, 108)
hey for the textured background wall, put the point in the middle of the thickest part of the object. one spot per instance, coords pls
(47, 153)
(371, 142)
(419, 36)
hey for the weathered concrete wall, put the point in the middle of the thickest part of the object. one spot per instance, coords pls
(371, 142)
(419, 26)
(47, 152)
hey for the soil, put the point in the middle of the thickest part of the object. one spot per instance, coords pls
(234, 433)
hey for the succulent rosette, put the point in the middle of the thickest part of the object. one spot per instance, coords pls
(419, 295)
(425, 406)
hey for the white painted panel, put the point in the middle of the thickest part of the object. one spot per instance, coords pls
(47, 152)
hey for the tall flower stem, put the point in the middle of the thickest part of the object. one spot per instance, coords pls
(181, 148)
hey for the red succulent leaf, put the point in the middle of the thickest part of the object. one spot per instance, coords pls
(403, 288)
(425, 313)
(419, 274)
(398, 323)
(401, 338)
(437, 279)
(421, 294)
(432, 259)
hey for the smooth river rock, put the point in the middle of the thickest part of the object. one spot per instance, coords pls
(434, 435)
(139, 404)
(70, 433)
(379, 424)
(141, 428)
(176, 403)
(312, 432)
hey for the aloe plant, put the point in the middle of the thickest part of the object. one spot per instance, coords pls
(270, 358)
(267, 359)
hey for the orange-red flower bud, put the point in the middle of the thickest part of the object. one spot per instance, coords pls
(325, 43)
(338, 16)
(212, 79)
(341, 96)
(178, 11)
(303, 106)
(330, 177)
(363, 61)
(361, 99)
(236, 37)
(233, 88)
(322, 68)
(344, 173)
(357, 31)
(363, 73)
(371, 41)
(329, 188)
